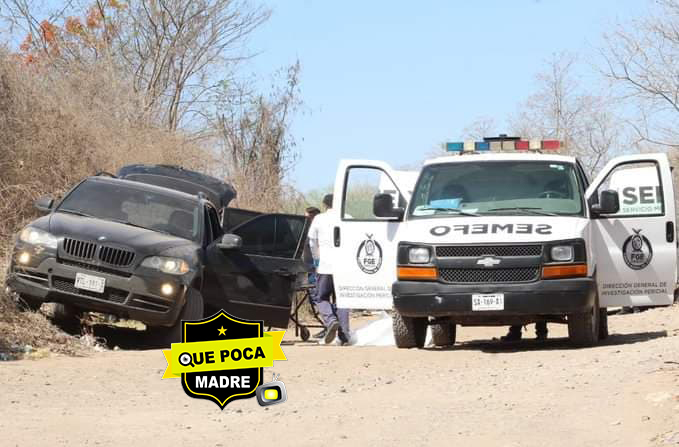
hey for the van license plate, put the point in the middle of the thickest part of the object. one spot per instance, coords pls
(489, 301)
(89, 282)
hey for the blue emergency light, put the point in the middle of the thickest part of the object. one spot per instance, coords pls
(454, 147)
(468, 146)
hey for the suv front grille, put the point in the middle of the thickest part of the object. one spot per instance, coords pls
(110, 293)
(473, 251)
(80, 249)
(86, 251)
(467, 276)
(116, 256)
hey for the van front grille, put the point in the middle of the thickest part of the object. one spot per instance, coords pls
(475, 251)
(474, 276)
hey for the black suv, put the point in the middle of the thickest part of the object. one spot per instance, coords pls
(157, 254)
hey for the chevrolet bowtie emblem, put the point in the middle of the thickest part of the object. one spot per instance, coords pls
(488, 261)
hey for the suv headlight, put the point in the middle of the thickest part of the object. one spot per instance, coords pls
(562, 253)
(35, 236)
(419, 255)
(173, 266)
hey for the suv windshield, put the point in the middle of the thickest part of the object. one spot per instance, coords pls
(133, 206)
(497, 188)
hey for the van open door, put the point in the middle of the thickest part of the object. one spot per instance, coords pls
(635, 245)
(364, 244)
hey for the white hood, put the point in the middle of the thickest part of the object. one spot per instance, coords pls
(492, 229)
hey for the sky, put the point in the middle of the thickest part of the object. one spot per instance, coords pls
(391, 80)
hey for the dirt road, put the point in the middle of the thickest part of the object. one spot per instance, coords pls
(623, 393)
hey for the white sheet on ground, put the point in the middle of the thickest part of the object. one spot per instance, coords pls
(379, 333)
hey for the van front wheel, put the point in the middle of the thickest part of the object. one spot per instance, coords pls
(583, 328)
(409, 332)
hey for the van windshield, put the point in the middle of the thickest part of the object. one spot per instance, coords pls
(497, 188)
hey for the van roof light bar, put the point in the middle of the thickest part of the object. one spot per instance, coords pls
(503, 143)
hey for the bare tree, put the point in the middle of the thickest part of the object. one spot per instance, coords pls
(643, 61)
(484, 126)
(257, 148)
(174, 52)
(561, 109)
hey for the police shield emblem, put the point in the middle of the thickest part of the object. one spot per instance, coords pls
(225, 385)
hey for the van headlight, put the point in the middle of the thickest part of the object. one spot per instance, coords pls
(419, 255)
(38, 237)
(173, 266)
(562, 253)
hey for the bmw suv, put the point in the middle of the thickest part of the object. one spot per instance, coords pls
(157, 254)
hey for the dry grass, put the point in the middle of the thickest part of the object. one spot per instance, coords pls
(57, 128)
(19, 330)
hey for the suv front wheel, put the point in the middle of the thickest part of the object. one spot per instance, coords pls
(192, 310)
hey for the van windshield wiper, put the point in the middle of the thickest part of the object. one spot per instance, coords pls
(527, 209)
(455, 210)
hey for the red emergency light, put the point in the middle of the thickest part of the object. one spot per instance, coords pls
(522, 145)
(551, 144)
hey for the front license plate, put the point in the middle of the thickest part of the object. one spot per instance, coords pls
(489, 301)
(89, 282)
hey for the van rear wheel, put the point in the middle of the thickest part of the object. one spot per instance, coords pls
(443, 333)
(409, 332)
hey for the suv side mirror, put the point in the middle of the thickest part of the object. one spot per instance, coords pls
(383, 206)
(609, 203)
(44, 203)
(230, 242)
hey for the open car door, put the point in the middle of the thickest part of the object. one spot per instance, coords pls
(258, 280)
(635, 248)
(365, 245)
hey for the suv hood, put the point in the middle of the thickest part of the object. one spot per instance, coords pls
(493, 229)
(92, 229)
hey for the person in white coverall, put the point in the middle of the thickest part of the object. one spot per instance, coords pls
(320, 238)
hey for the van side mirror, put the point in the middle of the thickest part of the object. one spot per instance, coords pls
(44, 204)
(383, 206)
(230, 242)
(609, 203)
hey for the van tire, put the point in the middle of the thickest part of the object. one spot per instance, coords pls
(409, 332)
(193, 310)
(583, 328)
(603, 323)
(443, 333)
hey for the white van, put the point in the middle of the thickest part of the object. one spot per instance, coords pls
(499, 234)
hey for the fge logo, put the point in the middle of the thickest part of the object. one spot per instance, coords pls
(272, 393)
